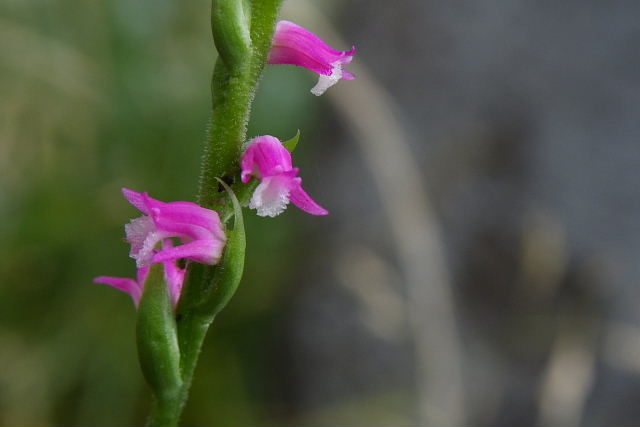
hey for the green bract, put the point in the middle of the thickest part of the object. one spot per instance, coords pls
(158, 345)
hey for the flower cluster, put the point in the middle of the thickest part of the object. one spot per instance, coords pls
(169, 232)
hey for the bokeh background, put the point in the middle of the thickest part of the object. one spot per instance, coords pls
(481, 263)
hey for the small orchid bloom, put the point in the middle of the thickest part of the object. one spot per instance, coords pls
(294, 45)
(269, 161)
(199, 230)
(173, 275)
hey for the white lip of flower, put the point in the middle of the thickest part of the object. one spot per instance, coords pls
(269, 199)
(325, 82)
(143, 236)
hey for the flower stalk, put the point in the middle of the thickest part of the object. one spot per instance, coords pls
(242, 32)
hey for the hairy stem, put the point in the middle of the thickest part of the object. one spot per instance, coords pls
(233, 85)
(166, 410)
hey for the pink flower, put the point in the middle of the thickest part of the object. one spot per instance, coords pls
(198, 229)
(268, 160)
(294, 45)
(173, 275)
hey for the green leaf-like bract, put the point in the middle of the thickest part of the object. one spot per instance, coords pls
(291, 144)
(157, 337)
(217, 285)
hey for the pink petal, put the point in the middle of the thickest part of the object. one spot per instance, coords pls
(129, 286)
(264, 156)
(175, 211)
(295, 45)
(184, 231)
(202, 251)
(136, 199)
(284, 55)
(187, 224)
(302, 200)
(247, 164)
(174, 276)
(141, 275)
(183, 212)
(347, 75)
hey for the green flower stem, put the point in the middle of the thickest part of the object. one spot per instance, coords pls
(165, 412)
(192, 329)
(235, 78)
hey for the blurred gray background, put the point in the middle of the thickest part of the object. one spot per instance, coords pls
(479, 266)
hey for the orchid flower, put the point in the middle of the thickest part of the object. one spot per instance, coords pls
(199, 230)
(294, 45)
(173, 275)
(269, 161)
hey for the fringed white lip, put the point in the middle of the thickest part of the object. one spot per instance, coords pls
(143, 237)
(325, 82)
(271, 197)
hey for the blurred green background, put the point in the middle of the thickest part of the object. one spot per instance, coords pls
(480, 263)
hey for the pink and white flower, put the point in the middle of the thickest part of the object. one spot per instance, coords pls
(294, 45)
(269, 161)
(173, 275)
(151, 236)
(199, 230)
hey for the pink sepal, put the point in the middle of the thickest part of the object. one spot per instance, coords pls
(129, 286)
(173, 275)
